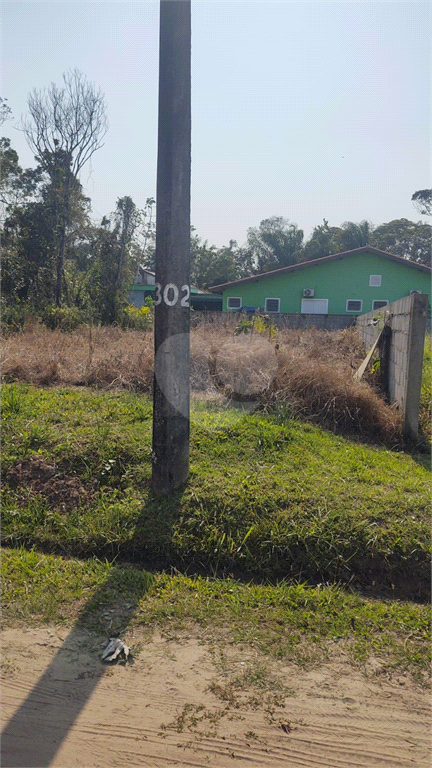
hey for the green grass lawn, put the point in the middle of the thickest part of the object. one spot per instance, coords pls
(268, 497)
(272, 507)
(296, 623)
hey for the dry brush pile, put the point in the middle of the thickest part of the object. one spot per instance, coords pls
(306, 372)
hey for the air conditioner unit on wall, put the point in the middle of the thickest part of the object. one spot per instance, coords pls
(308, 293)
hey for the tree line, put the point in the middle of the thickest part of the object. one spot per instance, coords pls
(57, 263)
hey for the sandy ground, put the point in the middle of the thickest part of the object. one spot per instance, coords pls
(63, 707)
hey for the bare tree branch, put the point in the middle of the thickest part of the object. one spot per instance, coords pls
(66, 126)
(71, 118)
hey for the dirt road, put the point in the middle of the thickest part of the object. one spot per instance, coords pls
(185, 702)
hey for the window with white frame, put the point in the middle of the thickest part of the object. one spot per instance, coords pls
(354, 305)
(314, 307)
(378, 303)
(272, 305)
(375, 281)
(234, 302)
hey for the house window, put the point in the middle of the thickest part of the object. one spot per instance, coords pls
(354, 305)
(378, 303)
(234, 302)
(314, 307)
(375, 281)
(272, 305)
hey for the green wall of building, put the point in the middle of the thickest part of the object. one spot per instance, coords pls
(336, 280)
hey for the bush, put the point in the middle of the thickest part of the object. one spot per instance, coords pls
(63, 318)
(142, 318)
(15, 317)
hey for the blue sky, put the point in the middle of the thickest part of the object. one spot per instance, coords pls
(307, 109)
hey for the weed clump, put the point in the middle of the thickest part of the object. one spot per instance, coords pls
(329, 396)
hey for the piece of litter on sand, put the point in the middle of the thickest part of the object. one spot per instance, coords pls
(114, 648)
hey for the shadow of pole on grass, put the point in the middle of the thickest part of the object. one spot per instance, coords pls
(36, 731)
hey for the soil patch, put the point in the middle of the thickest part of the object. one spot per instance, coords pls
(59, 490)
(188, 702)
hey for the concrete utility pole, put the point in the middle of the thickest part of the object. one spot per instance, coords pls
(170, 455)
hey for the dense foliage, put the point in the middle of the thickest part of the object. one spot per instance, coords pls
(65, 268)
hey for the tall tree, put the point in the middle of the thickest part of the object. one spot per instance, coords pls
(423, 201)
(126, 219)
(275, 243)
(28, 233)
(355, 235)
(407, 239)
(16, 185)
(243, 259)
(112, 266)
(65, 128)
(212, 266)
(27, 269)
(143, 245)
(324, 241)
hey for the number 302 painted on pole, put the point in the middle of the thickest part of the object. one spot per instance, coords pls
(170, 295)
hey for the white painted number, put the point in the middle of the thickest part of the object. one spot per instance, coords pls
(185, 299)
(170, 295)
(158, 294)
(170, 301)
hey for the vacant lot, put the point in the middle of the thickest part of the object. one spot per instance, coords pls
(309, 371)
(268, 496)
(275, 605)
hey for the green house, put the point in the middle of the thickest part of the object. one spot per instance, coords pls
(348, 283)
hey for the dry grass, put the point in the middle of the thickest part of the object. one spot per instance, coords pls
(328, 394)
(308, 370)
(90, 356)
(315, 373)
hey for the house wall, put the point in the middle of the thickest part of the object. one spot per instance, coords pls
(138, 294)
(144, 277)
(338, 280)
